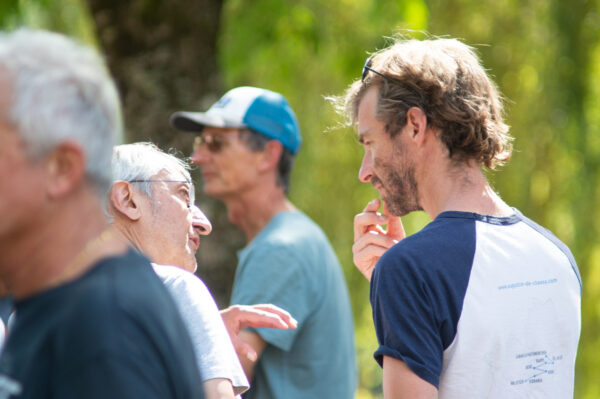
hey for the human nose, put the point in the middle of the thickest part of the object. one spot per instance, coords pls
(200, 222)
(365, 173)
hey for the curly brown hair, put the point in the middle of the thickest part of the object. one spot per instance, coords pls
(445, 79)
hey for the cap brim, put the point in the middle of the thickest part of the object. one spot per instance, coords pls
(195, 121)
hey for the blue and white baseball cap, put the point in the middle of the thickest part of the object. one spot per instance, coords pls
(261, 110)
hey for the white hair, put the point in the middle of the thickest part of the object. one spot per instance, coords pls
(61, 91)
(143, 161)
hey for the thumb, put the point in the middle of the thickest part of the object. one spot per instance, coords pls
(244, 349)
(395, 229)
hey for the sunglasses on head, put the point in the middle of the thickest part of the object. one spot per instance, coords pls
(367, 68)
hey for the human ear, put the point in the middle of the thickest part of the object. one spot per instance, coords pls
(416, 120)
(65, 169)
(123, 200)
(271, 155)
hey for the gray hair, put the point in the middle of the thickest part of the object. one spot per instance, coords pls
(143, 161)
(61, 91)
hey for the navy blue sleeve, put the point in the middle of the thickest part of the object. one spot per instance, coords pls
(417, 291)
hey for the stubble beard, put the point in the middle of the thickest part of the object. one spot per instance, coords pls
(399, 188)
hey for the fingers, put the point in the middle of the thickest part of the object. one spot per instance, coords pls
(368, 249)
(276, 310)
(373, 205)
(369, 219)
(395, 228)
(375, 239)
(244, 349)
(238, 317)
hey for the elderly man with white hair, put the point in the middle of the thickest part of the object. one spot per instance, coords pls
(151, 203)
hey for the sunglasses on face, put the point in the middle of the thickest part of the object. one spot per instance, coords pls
(367, 68)
(215, 142)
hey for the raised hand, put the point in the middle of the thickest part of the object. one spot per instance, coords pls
(370, 239)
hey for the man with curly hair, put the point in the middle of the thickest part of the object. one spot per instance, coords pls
(482, 302)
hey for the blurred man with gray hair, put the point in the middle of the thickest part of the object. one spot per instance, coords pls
(92, 318)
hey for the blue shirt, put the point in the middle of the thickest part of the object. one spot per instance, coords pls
(481, 307)
(291, 264)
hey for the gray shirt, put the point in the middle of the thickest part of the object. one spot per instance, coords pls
(215, 355)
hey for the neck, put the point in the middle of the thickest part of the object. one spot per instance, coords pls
(128, 233)
(60, 250)
(460, 188)
(252, 211)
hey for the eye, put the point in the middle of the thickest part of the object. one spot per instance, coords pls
(185, 194)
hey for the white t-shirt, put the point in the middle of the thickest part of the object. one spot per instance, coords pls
(215, 354)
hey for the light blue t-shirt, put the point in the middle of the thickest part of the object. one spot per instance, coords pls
(291, 264)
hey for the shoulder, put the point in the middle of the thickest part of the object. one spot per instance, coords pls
(173, 276)
(119, 299)
(122, 293)
(109, 283)
(118, 310)
(290, 231)
(187, 289)
(547, 234)
(553, 244)
(448, 240)
(294, 224)
(292, 240)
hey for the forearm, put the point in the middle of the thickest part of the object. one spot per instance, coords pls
(400, 382)
(259, 345)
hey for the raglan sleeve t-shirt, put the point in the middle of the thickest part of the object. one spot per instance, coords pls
(416, 295)
(480, 306)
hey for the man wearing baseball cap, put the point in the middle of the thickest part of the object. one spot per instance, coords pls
(245, 148)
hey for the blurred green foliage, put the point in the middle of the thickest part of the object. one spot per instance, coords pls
(67, 16)
(544, 56)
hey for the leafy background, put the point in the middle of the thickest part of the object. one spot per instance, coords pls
(543, 54)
